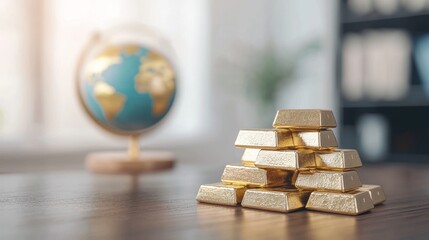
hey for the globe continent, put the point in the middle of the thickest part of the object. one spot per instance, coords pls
(128, 88)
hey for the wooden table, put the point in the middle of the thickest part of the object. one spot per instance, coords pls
(74, 204)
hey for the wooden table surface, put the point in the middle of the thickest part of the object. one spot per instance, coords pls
(74, 204)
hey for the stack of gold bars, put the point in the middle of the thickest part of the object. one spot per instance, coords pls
(293, 166)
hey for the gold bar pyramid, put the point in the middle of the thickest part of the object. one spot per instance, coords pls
(293, 166)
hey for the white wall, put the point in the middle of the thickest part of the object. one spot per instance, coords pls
(298, 22)
(18, 71)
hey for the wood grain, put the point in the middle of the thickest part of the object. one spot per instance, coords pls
(78, 205)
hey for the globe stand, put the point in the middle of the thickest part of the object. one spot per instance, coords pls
(133, 162)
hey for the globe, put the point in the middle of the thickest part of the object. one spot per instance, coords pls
(126, 87)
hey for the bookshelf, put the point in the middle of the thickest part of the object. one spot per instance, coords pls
(408, 116)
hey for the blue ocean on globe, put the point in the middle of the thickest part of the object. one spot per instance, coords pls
(128, 88)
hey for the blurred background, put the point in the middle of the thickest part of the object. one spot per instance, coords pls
(238, 62)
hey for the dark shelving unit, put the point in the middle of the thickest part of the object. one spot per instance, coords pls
(416, 97)
(408, 117)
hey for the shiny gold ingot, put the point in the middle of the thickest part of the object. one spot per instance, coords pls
(351, 203)
(284, 139)
(314, 139)
(329, 181)
(264, 139)
(275, 199)
(252, 176)
(304, 119)
(341, 159)
(249, 156)
(375, 191)
(219, 193)
(285, 159)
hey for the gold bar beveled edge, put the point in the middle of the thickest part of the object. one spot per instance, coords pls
(248, 163)
(324, 134)
(335, 169)
(326, 189)
(248, 159)
(237, 189)
(252, 185)
(366, 188)
(319, 125)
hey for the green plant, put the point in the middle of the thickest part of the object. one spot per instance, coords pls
(270, 71)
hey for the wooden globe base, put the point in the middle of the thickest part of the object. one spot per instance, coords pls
(122, 163)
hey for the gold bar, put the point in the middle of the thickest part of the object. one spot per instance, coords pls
(351, 203)
(219, 193)
(285, 159)
(272, 139)
(315, 139)
(375, 191)
(252, 176)
(264, 139)
(331, 181)
(275, 199)
(249, 156)
(304, 119)
(341, 159)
